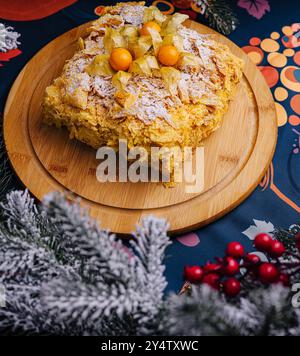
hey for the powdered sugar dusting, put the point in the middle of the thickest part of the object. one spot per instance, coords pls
(153, 100)
(146, 110)
(133, 15)
(194, 42)
(81, 80)
(85, 82)
(193, 88)
(94, 46)
(76, 66)
(103, 87)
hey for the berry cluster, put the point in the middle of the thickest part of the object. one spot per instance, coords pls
(225, 274)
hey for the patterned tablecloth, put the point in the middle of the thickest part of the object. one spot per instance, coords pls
(269, 31)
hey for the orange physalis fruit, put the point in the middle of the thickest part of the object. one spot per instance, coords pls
(149, 25)
(120, 59)
(168, 55)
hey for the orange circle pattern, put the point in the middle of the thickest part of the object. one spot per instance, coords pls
(278, 69)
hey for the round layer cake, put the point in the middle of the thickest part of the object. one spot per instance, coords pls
(150, 103)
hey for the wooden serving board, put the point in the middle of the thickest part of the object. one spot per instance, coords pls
(236, 156)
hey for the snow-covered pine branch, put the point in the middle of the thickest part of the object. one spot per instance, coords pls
(8, 38)
(82, 277)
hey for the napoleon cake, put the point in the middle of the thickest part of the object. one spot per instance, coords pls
(143, 76)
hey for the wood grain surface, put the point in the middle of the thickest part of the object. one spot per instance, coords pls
(236, 156)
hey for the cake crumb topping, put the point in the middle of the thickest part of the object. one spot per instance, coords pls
(133, 14)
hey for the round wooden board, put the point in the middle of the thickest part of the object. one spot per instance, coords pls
(236, 156)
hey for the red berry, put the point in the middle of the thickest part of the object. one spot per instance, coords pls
(231, 267)
(252, 259)
(212, 268)
(263, 242)
(298, 241)
(213, 280)
(268, 273)
(193, 274)
(252, 262)
(284, 279)
(277, 249)
(232, 287)
(235, 249)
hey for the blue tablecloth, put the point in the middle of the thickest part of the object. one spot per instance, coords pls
(265, 27)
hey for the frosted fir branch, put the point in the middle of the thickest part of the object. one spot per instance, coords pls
(127, 286)
(264, 312)
(269, 311)
(292, 256)
(294, 330)
(203, 312)
(150, 269)
(82, 278)
(80, 239)
(85, 304)
(20, 215)
(19, 314)
(26, 263)
(287, 237)
(219, 14)
(64, 275)
(8, 38)
(24, 266)
(23, 314)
